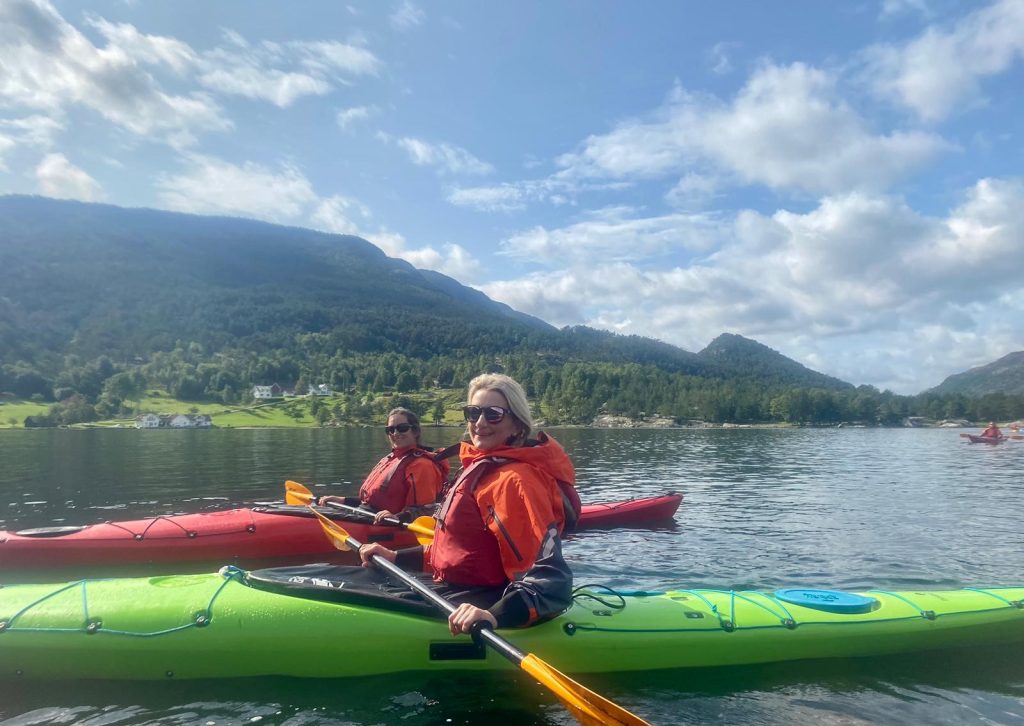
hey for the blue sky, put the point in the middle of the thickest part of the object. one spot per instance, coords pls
(839, 181)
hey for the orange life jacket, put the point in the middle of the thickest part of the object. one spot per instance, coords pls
(466, 550)
(387, 486)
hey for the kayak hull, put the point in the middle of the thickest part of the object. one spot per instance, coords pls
(211, 626)
(985, 439)
(261, 534)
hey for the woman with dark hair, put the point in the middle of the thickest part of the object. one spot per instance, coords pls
(497, 546)
(406, 479)
(992, 432)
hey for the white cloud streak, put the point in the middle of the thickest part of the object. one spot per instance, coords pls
(282, 73)
(407, 16)
(346, 117)
(446, 158)
(58, 177)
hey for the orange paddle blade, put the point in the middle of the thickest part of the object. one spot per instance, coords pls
(295, 493)
(586, 706)
(334, 531)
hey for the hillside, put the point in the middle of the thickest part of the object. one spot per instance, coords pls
(737, 356)
(88, 279)
(103, 306)
(1005, 375)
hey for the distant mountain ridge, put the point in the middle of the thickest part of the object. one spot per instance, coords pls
(90, 279)
(733, 354)
(1005, 375)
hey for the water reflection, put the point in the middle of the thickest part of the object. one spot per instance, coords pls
(853, 509)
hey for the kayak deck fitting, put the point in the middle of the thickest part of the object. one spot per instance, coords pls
(222, 625)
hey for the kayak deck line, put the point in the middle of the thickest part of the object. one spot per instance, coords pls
(729, 624)
(94, 626)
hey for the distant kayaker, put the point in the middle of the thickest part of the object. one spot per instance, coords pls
(992, 432)
(497, 548)
(403, 481)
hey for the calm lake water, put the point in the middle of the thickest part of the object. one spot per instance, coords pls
(848, 509)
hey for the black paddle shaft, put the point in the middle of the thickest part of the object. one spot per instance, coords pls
(483, 630)
(363, 513)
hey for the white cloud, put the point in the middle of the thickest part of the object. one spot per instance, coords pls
(514, 196)
(284, 195)
(452, 259)
(892, 8)
(615, 234)
(940, 70)
(36, 130)
(58, 177)
(501, 198)
(152, 49)
(830, 287)
(693, 191)
(214, 186)
(268, 84)
(49, 65)
(446, 157)
(335, 214)
(719, 59)
(407, 15)
(6, 144)
(282, 73)
(348, 116)
(787, 128)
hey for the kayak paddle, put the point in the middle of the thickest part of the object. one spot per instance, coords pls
(422, 527)
(586, 706)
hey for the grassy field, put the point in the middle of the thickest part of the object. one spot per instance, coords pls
(290, 413)
(13, 413)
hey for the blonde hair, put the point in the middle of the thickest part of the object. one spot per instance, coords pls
(513, 393)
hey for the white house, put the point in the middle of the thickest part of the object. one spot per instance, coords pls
(147, 421)
(179, 421)
(321, 390)
(267, 392)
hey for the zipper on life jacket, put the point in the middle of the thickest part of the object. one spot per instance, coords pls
(508, 538)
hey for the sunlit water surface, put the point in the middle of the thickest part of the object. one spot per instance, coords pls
(840, 508)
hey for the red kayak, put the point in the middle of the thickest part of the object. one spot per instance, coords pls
(247, 535)
(985, 439)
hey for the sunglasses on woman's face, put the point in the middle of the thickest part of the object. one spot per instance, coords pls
(492, 414)
(398, 429)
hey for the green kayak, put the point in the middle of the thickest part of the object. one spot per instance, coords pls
(222, 625)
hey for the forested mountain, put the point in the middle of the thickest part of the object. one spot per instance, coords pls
(738, 356)
(90, 280)
(1005, 375)
(99, 302)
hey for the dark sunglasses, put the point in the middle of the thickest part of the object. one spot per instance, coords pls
(492, 414)
(400, 429)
